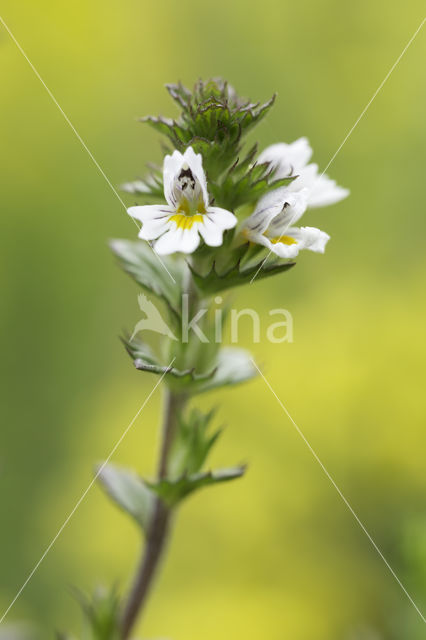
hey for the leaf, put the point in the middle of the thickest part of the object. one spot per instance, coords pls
(128, 491)
(214, 120)
(150, 187)
(233, 366)
(101, 613)
(174, 491)
(236, 190)
(145, 360)
(178, 135)
(180, 93)
(237, 275)
(138, 259)
(192, 444)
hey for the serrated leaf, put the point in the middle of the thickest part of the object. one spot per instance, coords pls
(177, 134)
(181, 94)
(145, 360)
(236, 275)
(128, 491)
(144, 188)
(236, 191)
(101, 614)
(149, 187)
(233, 366)
(214, 120)
(192, 444)
(138, 259)
(174, 491)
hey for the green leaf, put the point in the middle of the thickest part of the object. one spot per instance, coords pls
(181, 94)
(150, 188)
(214, 120)
(162, 278)
(128, 491)
(192, 444)
(174, 491)
(178, 135)
(145, 360)
(233, 366)
(101, 613)
(238, 274)
(236, 190)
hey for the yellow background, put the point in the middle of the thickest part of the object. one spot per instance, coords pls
(276, 555)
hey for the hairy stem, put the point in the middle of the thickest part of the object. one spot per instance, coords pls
(159, 527)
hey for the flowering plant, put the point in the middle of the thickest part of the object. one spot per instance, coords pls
(215, 217)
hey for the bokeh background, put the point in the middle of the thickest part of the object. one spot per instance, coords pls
(276, 555)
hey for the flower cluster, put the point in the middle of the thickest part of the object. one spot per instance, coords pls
(188, 214)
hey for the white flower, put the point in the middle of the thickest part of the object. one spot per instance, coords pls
(271, 224)
(292, 159)
(287, 159)
(178, 225)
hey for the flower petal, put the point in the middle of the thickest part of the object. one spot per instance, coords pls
(223, 218)
(281, 205)
(195, 163)
(154, 219)
(281, 246)
(294, 240)
(212, 234)
(178, 239)
(326, 191)
(172, 166)
(323, 190)
(287, 158)
(309, 238)
(294, 207)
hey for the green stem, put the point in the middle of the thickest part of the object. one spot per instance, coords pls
(159, 528)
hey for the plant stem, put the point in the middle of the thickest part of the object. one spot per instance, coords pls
(159, 528)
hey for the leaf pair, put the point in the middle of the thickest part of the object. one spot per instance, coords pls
(191, 447)
(231, 366)
(136, 496)
(240, 269)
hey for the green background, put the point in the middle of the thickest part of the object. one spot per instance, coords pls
(276, 555)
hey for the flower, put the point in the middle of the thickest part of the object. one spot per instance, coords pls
(270, 224)
(292, 159)
(178, 225)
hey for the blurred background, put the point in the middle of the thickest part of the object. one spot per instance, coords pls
(276, 555)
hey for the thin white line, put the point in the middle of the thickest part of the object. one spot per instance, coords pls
(99, 471)
(261, 265)
(341, 494)
(397, 61)
(363, 112)
(78, 136)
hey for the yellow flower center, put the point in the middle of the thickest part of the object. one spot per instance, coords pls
(184, 221)
(284, 240)
(191, 208)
